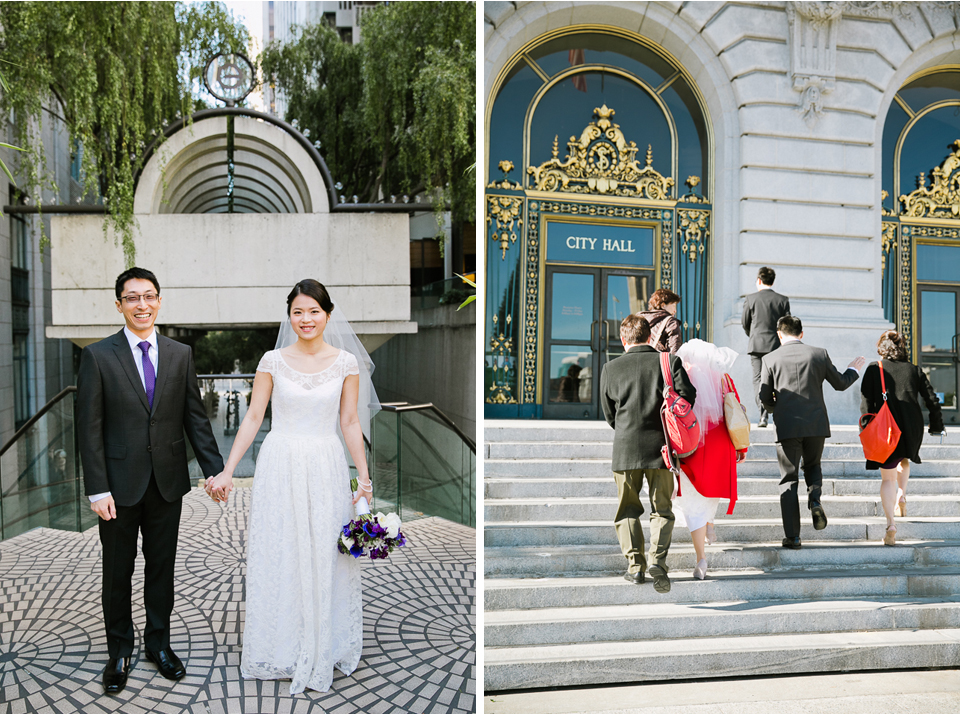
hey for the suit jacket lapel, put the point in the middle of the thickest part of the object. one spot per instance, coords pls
(122, 349)
(164, 355)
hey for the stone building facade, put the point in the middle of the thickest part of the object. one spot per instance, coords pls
(697, 142)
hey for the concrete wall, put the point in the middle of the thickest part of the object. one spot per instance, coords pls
(435, 365)
(795, 188)
(220, 270)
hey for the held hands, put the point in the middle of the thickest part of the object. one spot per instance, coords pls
(857, 364)
(219, 487)
(105, 508)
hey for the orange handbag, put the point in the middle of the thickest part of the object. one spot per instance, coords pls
(879, 433)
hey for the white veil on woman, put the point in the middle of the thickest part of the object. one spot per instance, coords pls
(706, 364)
(339, 334)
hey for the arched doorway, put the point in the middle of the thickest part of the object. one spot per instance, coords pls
(592, 133)
(921, 225)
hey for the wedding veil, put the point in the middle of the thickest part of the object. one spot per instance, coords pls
(339, 334)
(706, 364)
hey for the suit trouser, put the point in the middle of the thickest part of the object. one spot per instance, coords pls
(790, 454)
(756, 362)
(629, 510)
(159, 522)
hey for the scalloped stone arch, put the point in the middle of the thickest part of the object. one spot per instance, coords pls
(273, 173)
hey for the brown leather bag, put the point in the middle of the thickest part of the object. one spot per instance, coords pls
(879, 433)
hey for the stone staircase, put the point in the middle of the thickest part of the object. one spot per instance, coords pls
(557, 611)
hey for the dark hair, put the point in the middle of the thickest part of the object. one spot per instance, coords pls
(662, 297)
(135, 274)
(310, 288)
(634, 330)
(790, 326)
(767, 275)
(892, 346)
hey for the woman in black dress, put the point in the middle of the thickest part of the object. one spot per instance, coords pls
(905, 381)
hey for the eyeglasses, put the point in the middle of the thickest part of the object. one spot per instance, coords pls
(148, 298)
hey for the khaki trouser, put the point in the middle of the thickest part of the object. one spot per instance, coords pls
(629, 510)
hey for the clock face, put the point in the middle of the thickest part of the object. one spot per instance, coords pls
(229, 77)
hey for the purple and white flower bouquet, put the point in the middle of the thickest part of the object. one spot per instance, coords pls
(368, 534)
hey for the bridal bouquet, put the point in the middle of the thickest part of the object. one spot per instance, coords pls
(376, 534)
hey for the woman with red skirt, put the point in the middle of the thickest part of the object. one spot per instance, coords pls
(710, 473)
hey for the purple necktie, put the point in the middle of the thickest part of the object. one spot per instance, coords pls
(149, 376)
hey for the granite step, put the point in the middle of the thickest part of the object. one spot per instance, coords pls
(733, 530)
(757, 452)
(697, 658)
(592, 560)
(751, 468)
(750, 507)
(736, 618)
(601, 486)
(583, 431)
(723, 586)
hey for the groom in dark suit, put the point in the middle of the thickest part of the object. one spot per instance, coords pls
(761, 310)
(791, 388)
(631, 393)
(136, 396)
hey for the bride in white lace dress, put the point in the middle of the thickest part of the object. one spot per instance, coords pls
(304, 605)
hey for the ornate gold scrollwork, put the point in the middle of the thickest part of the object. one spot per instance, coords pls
(506, 211)
(693, 232)
(942, 198)
(888, 241)
(506, 167)
(502, 346)
(601, 161)
(885, 211)
(693, 197)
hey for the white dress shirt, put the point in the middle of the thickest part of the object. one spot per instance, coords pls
(154, 355)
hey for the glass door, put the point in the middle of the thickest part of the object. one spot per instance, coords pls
(584, 308)
(938, 338)
(572, 343)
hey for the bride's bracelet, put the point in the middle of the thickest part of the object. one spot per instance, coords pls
(361, 487)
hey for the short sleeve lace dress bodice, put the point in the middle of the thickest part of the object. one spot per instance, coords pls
(303, 601)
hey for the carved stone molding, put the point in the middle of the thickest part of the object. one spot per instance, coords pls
(602, 162)
(814, 27)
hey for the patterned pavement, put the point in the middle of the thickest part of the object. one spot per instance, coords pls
(419, 648)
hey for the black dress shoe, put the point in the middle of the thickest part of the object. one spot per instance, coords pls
(661, 583)
(792, 543)
(635, 578)
(167, 663)
(115, 674)
(819, 517)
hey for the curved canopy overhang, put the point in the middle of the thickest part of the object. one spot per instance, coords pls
(275, 168)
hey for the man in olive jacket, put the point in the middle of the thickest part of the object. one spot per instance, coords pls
(631, 393)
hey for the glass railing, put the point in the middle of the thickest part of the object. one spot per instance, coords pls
(40, 478)
(423, 465)
(451, 291)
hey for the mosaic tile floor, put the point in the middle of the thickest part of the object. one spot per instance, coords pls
(419, 648)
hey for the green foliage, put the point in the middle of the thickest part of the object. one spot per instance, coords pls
(395, 114)
(215, 352)
(117, 73)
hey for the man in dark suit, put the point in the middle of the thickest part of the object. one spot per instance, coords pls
(761, 310)
(136, 396)
(631, 393)
(791, 388)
